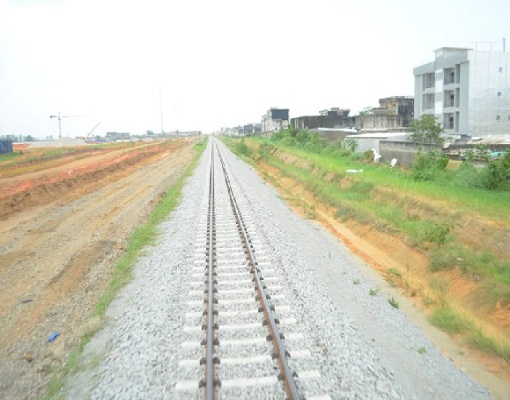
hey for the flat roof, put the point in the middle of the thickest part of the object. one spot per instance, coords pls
(379, 135)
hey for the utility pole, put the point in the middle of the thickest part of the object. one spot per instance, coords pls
(161, 111)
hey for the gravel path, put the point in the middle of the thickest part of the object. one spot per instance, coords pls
(364, 348)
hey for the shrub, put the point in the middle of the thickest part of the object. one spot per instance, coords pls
(427, 166)
(495, 174)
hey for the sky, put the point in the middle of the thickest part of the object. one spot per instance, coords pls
(203, 64)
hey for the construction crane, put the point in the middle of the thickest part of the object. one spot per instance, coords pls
(59, 117)
(93, 129)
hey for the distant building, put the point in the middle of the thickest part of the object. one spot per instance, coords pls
(402, 106)
(331, 118)
(275, 119)
(467, 90)
(335, 112)
(251, 129)
(394, 113)
(118, 136)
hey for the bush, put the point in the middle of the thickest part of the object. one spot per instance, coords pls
(428, 166)
(496, 174)
(243, 149)
(310, 141)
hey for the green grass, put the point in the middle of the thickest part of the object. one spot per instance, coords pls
(493, 204)
(451, 321)
(9, 156)
(422, 213)
(478, 339)
(123, 270)
(448, 320)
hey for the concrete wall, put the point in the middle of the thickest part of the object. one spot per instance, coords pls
(360, 122)
(489, 93)
(404, 152)
(364, 122)
(334, 136)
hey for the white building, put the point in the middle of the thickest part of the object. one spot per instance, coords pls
(467, 90)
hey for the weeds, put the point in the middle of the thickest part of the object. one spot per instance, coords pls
(395, 272)
(393, 302)
(450, 321)
(447, 320)
(373, 292)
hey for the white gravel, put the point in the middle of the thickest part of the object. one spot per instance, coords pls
(364, 348)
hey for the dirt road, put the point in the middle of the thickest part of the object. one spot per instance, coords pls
(58, 243)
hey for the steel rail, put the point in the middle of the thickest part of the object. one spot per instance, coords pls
(286, 374)
(210, 379)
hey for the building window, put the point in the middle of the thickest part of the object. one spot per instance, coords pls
(499, 94)
(498, 117)
(449, 76)
(500, 69)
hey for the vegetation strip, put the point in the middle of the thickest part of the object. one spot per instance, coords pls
(425, 207)
(123, 270)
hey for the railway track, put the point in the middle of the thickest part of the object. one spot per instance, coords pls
(241, 340)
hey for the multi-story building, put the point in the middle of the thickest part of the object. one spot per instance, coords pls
(275, 119)
(467, 90)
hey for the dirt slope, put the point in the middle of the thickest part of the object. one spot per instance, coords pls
(58, 244)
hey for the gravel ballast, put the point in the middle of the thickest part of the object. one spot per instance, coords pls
(363, 347)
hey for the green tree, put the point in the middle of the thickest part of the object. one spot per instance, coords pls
(366, 111)
(426, 129)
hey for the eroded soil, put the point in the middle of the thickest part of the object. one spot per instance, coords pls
(62, 227)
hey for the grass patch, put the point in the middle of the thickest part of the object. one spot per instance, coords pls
(123, 270)
(448, 320)
(9, 156)
(479, 340)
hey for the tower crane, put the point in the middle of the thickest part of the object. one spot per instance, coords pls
(59, 117)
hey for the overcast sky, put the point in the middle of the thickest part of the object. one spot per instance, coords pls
(218, 62)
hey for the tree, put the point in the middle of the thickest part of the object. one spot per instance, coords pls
(366, 111)
(426, 129)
